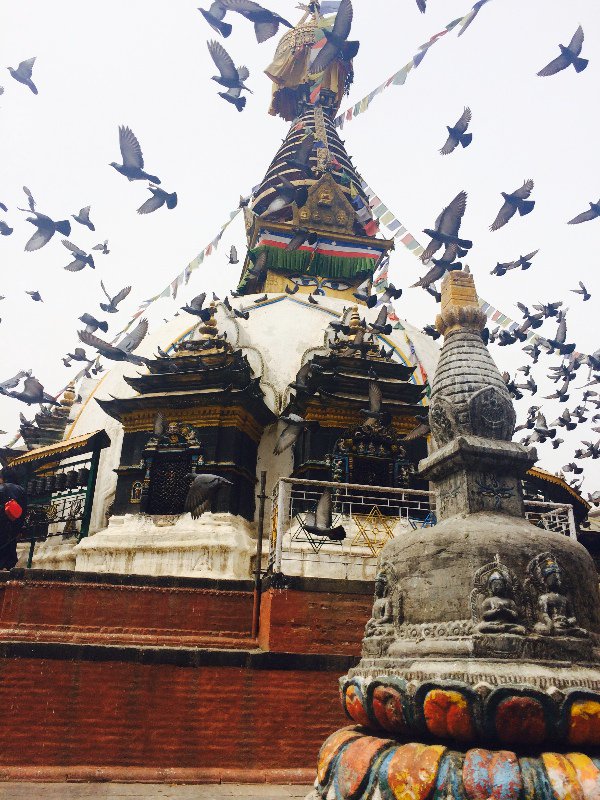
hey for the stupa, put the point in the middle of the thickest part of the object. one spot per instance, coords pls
(480, 669)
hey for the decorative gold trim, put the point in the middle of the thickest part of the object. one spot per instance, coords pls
(203, 417)
(61, 448)
(339, 417)
(538, 472)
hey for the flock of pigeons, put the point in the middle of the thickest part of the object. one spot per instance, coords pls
(444, 236)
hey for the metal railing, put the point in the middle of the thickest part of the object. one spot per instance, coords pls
(370, 516)
(552, 517)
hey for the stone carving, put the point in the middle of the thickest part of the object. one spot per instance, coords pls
(552, 608)
(492, 414)
(489, 485)
(441, 419)
(493, 600)
(382, 619)
(436, 630)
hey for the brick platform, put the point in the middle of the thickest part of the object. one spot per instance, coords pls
(83, 695)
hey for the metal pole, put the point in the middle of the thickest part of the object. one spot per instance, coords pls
(30, 556)
(282, 513)
(259, 546)
(572, 524)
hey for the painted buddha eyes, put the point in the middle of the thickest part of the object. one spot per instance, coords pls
(326, 283)
(337, 286)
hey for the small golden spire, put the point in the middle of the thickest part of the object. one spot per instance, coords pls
(460, 304)
(69, 396)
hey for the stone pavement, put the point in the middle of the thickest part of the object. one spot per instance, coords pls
(147, 791)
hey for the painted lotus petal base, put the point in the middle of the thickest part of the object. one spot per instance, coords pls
(355, 765)
(453, 711)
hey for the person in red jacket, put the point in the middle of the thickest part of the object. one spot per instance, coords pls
(13, 506)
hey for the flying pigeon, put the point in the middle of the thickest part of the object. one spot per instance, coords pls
(195, 307)
(300, 236)
(291, 428)
(123, 351)
(446, 228)
(233, 96)
(559, 341)
(582, 291)
(133, 160)
(79, 354)
(549, 309)
(266, 23)
(586, 216)
(215, 16)
(440, 266)
(46, 227)
(381, 325)
(158, 199)
(374, 412)
(286, 194)
(422, 6)
(23, 73)
(83, 218)
(230, 77)
(517, 201)
(5, 230)
(201, 492)
(430, 330)
(390, 294)
(568, 55)
(81, 259)
(457, 135)
(300, 157)
(35, 296)
(319, 522)
(92, 324)
(102, 247)
(12, 383)
(337, 45)
(113, 302)
(33, 392)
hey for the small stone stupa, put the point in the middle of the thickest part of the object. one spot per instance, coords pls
(480, 671)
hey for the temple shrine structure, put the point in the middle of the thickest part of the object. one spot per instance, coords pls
(138, 642)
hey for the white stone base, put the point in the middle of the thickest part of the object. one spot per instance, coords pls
(344, 561)
(214, 546)
(54, 553)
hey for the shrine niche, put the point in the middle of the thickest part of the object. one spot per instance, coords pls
(171, 453)
(371, 455)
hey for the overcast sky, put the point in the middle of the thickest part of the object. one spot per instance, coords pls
(145, 64)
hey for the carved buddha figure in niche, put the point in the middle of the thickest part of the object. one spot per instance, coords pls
(554, 607)
(383, 612)
(499, 612)
(325, 197)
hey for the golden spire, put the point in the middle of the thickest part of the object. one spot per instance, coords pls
(460, 304)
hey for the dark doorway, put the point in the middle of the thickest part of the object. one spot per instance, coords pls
(168, 484)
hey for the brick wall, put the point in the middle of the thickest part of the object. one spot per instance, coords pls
(315, 616)
(84, 692)
(67, 713)
(80, 607)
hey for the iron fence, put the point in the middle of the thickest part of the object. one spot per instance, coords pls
(370, 516)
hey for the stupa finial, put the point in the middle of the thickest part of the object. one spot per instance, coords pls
(460, 304)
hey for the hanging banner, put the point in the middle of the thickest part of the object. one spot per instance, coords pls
(399, 78)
